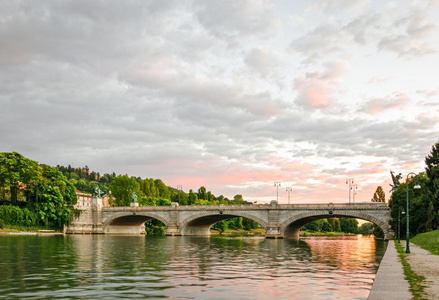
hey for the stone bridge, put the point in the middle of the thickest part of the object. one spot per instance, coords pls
(279, 221)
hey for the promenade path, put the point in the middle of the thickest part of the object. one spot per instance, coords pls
(425, 264)
(389, 282)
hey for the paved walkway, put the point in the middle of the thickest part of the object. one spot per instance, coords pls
(389, 282)
(423, 263)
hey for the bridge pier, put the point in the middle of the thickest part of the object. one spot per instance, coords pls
(172, 230)
(272, 232)
(89, 221)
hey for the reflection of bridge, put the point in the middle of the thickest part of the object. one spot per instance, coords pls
(279, 221)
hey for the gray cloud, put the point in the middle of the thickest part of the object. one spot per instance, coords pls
(215, 93)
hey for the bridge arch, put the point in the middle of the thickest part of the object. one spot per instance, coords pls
(200, 223)
(130, 222)
(291, 226)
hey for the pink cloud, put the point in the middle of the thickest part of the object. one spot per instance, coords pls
(314, 92)
(377, 105)
(316, 89)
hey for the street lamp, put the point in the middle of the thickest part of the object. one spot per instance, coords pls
(289, 189)
(354, 187)
(399, 222)
(416, 187)
(277, 185)
(350, 181)
(179, 188)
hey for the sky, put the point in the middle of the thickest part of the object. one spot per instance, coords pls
(232, 95)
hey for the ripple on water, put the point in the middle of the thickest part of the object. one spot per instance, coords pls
(108, 267)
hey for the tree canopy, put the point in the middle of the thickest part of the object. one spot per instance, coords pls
(424, 202)
(41, 189)
(379, 195)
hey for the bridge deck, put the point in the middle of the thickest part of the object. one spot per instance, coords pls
(343, 206)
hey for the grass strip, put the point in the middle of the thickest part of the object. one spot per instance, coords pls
(415, 281)
(428, 241)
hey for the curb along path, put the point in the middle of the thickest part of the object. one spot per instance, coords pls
(389, 282)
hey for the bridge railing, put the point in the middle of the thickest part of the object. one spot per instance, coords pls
(359, 205)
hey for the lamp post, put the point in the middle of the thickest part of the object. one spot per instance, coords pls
(350, 181)
(277, 185)
(417, 186)
(399, 222)
(179, 188)
(289, 189)
(354, 188)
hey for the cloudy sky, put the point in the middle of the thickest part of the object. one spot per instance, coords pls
(231, 95)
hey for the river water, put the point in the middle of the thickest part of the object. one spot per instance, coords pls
(124, 267)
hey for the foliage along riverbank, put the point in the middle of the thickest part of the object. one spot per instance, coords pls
(34, 195)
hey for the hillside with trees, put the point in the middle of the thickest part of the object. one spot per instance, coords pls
(37, 195)
(34, 195)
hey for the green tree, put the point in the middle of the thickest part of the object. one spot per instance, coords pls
(180, 197)
(432, 170)
(366, 227)
(144, 188)
(237, 199)
(154, 226)
(52, 198)
(16, 171)
(221, 226)
(349, 225)
(249, 224)
(202, 194)
(162, 189)
(335, 224)
(210, 196)
(326, 227)
(379, 195)
(421, 209)
(236, 223)
(121, 189)
(377, 231)
(192, 198)
(312, 226)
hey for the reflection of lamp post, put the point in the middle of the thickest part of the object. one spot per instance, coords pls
(416, 187)
(289, 189)
(179, 188)
(399, 222)
(277, 185)
(350, 181)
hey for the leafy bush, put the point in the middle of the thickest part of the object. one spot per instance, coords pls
(13, 215)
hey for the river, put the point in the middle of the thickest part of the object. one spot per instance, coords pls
(125, 267)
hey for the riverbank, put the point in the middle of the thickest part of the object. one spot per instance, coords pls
(13, 231)
(420, 268)
(308, 233)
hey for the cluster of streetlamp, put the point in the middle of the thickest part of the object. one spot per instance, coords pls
(352, 187)
(349, 181)
(277, 184)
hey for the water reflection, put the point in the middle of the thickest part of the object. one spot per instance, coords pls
(106, 267)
